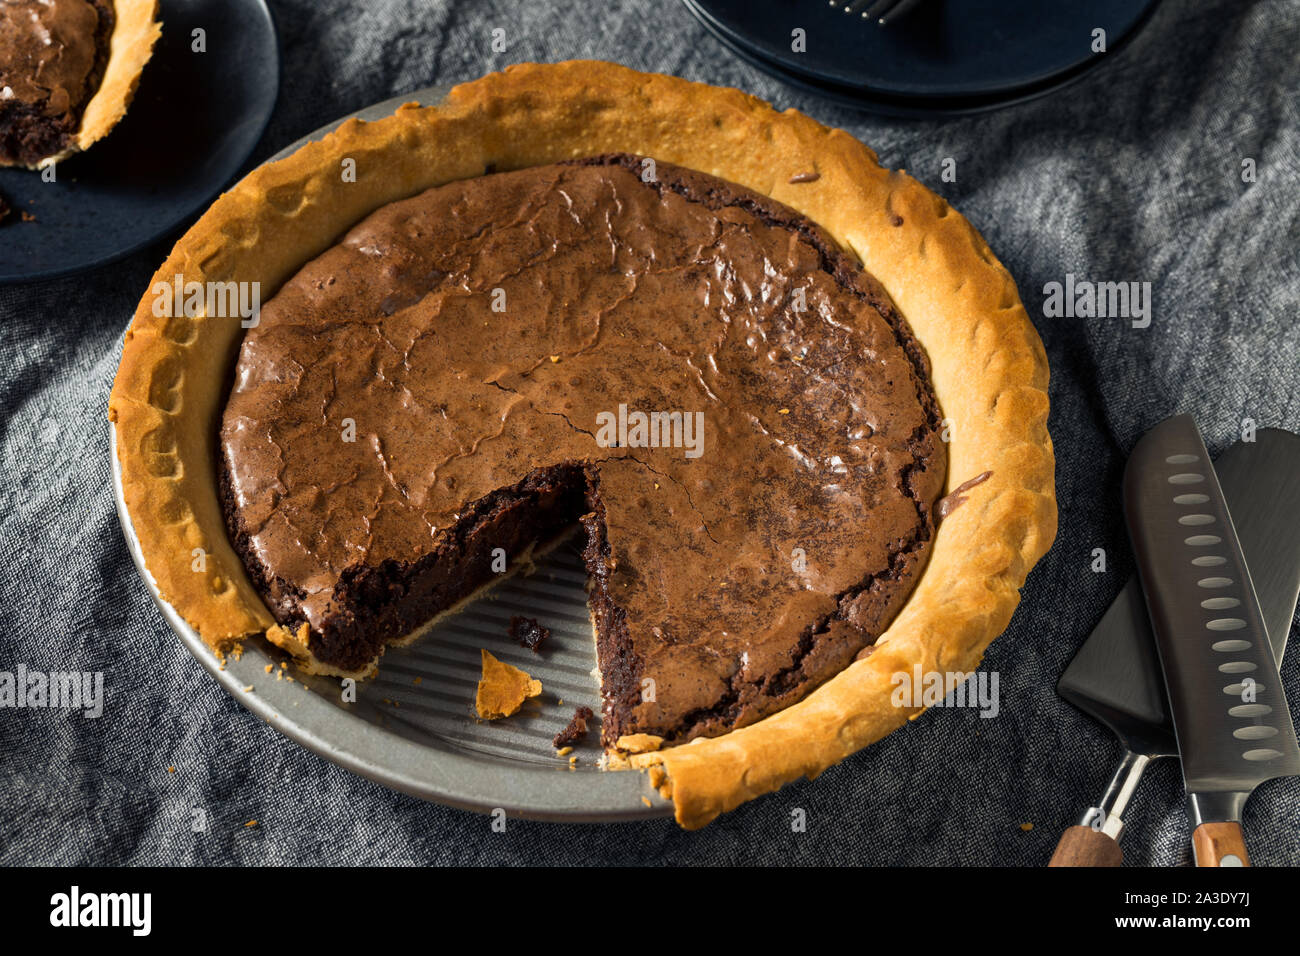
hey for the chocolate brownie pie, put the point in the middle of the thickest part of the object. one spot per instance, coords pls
(68, 70)
(744, 358)
(476, 334)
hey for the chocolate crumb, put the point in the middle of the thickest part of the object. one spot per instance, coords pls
(896, 219)
(576, 730)
(804, 178)
(528, 633)
(955, 499)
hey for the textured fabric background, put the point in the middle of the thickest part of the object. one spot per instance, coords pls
(1133, 174)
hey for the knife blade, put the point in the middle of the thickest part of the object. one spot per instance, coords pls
(1230, 715)
(1115, 675)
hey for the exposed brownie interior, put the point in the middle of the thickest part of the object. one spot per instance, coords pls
(477, 335)
(377, 604)
(52, 59)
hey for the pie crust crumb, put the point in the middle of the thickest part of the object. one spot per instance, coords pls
(638, 743)
(502, 689)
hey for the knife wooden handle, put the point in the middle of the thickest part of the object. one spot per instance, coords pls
(1219, 844)
(1084, 846)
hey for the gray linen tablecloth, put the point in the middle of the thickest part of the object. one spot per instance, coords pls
(1133, 174)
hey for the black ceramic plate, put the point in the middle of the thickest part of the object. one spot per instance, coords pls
(945, 57)
(195, 119)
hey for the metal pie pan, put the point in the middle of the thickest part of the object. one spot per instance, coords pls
(413, 727)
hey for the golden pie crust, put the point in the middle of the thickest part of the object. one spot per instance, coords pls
(135, 32)
(989, 370)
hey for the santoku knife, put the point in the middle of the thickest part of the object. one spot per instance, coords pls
(1115, 675)
(1230, 715)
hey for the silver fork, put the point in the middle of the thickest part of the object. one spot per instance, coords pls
(882, 11)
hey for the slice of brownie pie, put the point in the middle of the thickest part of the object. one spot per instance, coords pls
(68, 70)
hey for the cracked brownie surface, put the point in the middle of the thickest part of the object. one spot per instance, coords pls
(441, 383)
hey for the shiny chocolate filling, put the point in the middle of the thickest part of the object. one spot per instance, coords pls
(464, 372)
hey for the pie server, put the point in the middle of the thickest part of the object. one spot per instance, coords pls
(1115, 676)
(1230, 714)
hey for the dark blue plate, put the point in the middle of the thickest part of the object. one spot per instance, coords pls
(196, 117)
(946, 57)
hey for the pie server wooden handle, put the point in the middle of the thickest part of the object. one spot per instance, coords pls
(1095, 841)
(1084, 846)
